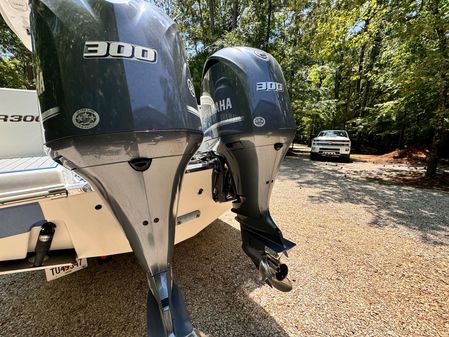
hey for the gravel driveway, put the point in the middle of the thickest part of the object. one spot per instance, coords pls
(371, 260)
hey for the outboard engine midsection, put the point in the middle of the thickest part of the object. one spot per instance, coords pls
(247, 118)
(118, 106)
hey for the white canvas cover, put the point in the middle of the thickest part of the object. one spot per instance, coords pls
(16, 14)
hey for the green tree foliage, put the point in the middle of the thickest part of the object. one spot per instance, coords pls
(378, 68)
(15, 61)
(375, 67)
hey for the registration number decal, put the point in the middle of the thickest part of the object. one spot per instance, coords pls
(56, 272)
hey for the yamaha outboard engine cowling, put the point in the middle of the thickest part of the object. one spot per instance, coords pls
(247, 118)
(118, 107)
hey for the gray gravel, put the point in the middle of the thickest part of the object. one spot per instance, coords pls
(371, 260)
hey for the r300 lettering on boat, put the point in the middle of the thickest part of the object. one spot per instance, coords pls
(19, 118)
(104, 49)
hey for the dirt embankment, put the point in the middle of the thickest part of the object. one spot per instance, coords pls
(415, 160)
(404, 167)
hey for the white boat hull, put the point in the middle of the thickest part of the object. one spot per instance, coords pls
(95, 232)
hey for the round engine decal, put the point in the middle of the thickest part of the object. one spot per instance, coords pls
(85, 119)
(261, 54)
(259, 121)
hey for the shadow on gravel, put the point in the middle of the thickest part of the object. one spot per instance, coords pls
(216, 277)
(423, 210)
(110, 300)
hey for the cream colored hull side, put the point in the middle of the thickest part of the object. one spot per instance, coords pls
(96, 232)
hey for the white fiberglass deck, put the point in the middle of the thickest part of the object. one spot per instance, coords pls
(22, 178)
(13, 165)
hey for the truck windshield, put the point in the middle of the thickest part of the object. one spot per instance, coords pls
(333, 133)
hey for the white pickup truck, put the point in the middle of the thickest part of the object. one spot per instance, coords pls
(332, 143)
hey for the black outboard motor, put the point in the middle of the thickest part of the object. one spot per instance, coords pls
(118, 107)
(248, 121)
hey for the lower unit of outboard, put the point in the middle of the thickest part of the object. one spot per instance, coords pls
(248, 121)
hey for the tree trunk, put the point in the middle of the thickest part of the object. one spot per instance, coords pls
(401, 139)
(235, 14)
(268, 32)
(434, 157)
(358, 83)
(312, 130)
(337, 81)
(374, 53)
(204, 31)
(361, 66)
(211, 7)
(442, 111)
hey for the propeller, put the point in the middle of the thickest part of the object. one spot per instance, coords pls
(274, 273)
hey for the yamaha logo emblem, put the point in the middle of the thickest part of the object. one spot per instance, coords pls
(261, 54)
(259, 122)
(85, 119)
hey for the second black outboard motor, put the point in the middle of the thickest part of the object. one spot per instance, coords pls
(248, 121)
(118, 107)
